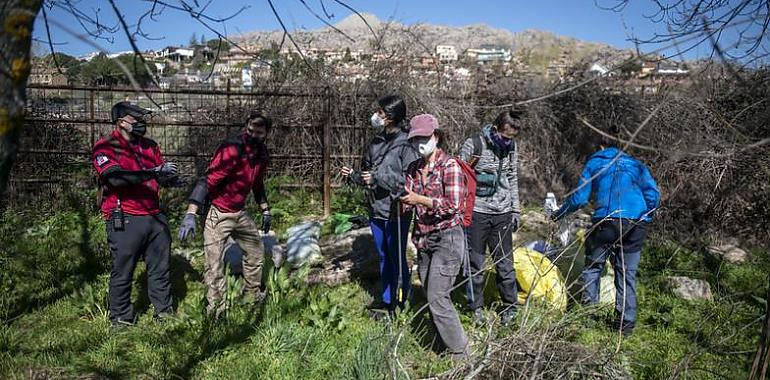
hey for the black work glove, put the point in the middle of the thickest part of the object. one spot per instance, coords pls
(355, 178)
(187, 227)
(515, 221)
(173, 181)
(167, 169)
(266, 221)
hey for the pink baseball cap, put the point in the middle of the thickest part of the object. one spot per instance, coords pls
(422, 125)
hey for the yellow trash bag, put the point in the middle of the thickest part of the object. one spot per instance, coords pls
(539, 279)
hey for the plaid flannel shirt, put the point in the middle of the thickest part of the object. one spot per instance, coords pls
(445, 185)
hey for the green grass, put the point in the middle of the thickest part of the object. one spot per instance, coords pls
(54, 272)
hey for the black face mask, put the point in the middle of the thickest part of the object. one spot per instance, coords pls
(138, 128)
(254, 141)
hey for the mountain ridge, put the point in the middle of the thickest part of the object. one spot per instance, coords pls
(537, 45)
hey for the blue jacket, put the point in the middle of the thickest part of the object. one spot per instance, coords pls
(621, 189)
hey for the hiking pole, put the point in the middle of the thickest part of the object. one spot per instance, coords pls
(468, 269)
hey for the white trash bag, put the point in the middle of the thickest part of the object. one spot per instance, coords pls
(233, 254)
(302, 247)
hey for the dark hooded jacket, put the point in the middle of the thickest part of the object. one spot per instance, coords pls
(387, 157)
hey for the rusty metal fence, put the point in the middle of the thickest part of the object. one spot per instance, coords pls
(316, 130)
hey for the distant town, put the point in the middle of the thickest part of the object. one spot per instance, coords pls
(216, 65)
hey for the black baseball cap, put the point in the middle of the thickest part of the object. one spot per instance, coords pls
(121, 109)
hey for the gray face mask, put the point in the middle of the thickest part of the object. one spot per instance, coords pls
(427, 148)
(377, 121)
(425, 145)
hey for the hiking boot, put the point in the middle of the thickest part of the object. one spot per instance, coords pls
(118, 323)
(164, 317)
(458, 356)
(381, 315)
(507, 316)
(478, 317)
(626, 327)
(260, 296)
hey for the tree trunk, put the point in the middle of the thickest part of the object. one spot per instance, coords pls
(17, 18)
(762, 359)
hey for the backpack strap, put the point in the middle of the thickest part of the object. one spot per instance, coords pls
(115, 144)
(477, 145)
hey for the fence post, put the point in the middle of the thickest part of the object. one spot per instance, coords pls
(92, 116)
(227, 100)
(327, 155)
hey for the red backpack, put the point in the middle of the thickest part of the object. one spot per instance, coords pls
(469, 196)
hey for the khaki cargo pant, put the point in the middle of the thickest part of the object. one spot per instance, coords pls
(241, 227)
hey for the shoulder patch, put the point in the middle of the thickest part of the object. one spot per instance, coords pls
(101, 160)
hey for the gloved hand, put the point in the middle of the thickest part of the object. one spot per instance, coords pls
(266, 221)
(515, 221)
(173, 181)
(167, 169)
(355, 178)
(187, 228)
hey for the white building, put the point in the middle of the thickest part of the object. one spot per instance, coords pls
(490, 54)
(599, 70)
(446, 53)
(670, 70)
(176, 54)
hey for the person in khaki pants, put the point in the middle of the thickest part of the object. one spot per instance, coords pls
(238, 167)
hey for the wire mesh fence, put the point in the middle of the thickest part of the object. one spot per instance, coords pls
(315, 132)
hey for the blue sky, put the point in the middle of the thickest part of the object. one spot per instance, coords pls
(581, 19)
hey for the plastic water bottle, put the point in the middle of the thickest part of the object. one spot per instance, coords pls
(550, 204)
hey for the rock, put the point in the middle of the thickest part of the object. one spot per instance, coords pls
(689, 289)
(534, 218)
(347, 256)
(730, 253)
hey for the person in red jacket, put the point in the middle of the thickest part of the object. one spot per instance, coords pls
(237, 168)
(131, 168)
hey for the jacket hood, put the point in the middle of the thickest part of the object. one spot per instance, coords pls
(608, 153)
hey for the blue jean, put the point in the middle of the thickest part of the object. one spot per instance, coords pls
(387, 236)
(607, 239)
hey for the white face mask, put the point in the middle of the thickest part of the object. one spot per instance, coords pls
(427, 148)
(377, 121)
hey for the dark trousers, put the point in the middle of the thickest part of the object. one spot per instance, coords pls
(621, 241)
(142, 236)
(390, 238)
(493, 232)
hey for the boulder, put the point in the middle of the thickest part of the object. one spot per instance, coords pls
(689, 289)
(347, 256)
(730, 253)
